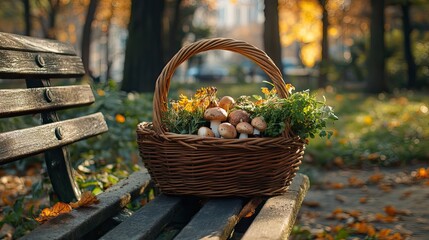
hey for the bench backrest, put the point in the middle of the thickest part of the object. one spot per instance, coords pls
(37, 61)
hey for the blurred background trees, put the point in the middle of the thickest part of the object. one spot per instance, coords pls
(374, 46)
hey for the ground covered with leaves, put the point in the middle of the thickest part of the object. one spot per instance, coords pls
(366, 204)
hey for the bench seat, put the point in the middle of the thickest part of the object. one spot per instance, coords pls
(173, 217)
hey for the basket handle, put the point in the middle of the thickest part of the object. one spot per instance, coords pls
(241, 47)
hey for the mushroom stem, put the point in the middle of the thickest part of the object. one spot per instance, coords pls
(256, 132)
(214, 125)
(243, 135)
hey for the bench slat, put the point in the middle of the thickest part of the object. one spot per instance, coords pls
(15, 64)
(24, 43)
(277, 216)
(215, 220)
(16, 102)
(148, 221)
(78, 223)
(22, 143)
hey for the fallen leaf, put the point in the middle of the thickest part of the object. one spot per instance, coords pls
(364, 228)
(384, 233)
(336, 185)
(385, 187)
(363, 200)
(390, 210)
(376, 178)
(250, 208)
(355, 213)
(384, 218)
(355, 182)
(54, 211)
(422, 173)
(86, 199)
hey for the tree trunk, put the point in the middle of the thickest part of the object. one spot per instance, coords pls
(27, 17)
(376, 66)
(324, 63)
(409, 58)
(52, 18)
(86, 35)
(174, 34)
(271, 33)
(143, 54)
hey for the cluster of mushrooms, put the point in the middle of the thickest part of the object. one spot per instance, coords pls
(228, 124)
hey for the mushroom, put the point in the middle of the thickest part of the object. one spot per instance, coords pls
(226, 103)
(238, 116)
(227, 130)
(215, 115)
(205, 132)
(244, 128)
(259, 125)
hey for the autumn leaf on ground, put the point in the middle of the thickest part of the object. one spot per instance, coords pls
(421, 173)
(376, 178)
(87, 199)
(355, 182)
(49, 213)
(335, 185)
(392, 211)
(363, 200)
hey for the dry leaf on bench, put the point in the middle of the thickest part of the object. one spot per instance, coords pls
(57, 209)
(87, 199)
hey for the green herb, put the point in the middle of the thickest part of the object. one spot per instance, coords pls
(305, 115)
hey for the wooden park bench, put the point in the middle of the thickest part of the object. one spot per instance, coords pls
(36, 61)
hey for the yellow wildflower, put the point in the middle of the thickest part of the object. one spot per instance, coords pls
(367, 120)
(100, 92)
(289, 88)
(183, 101)
(120, 118)
(175, 106)
(265, 90)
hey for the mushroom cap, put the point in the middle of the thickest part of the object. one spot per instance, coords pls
(226, 102)
(205, 132)
(244, 127)
(227, 130)
(238, 116)
(215, 113)
(259, 123)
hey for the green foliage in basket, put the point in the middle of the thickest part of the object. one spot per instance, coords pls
(305, 115)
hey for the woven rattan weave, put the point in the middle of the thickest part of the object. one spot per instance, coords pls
(215, 167)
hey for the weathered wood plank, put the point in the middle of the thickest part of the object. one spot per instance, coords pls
(79, 222)
(148, 221)
(215, 220)
(21, 143)
(15, 64)
(277, 216)
(14, 102)
(24, 43)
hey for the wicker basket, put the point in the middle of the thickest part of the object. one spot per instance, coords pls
(214, 167)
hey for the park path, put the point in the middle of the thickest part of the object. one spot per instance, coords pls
(394, 198)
